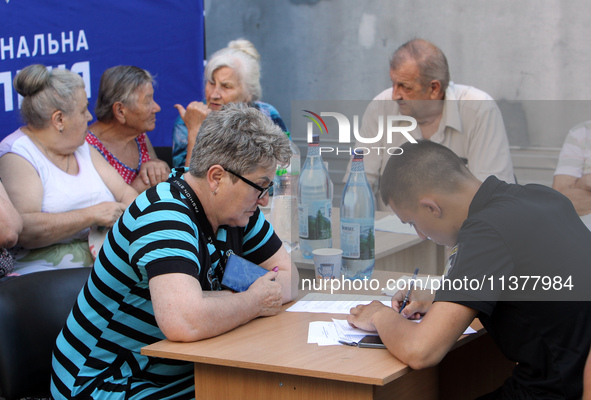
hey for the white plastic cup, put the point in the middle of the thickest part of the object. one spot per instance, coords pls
(327, 263)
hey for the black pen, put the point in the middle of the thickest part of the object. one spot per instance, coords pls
(412, 285)
(348, 343)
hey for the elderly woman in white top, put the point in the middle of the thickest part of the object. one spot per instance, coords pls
(59, 185)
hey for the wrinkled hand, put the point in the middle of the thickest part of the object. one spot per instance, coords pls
(193, 115)
(417, 306)
(268, 293)
(107, 212)
(153, 172)
(361, 316)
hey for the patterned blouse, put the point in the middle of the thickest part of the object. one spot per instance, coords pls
(125, 171)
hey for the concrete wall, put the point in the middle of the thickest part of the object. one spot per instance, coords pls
(519, 51)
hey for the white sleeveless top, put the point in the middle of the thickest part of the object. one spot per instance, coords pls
(61, 191)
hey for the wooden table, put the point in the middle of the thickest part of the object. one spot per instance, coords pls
(394, 251)
(269, 358)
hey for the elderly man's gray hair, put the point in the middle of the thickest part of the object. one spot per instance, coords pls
(431, 61)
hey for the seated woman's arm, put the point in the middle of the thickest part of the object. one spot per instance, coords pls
(288, 275)
(185, 313)
(41, 229)
(12, 223)
(193, 117)
(122, 192)
(152, 172)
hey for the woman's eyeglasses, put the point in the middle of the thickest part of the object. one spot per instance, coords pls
(251, 183)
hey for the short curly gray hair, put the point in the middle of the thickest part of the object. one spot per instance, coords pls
(240, 138)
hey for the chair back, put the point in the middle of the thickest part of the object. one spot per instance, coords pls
(33, 310)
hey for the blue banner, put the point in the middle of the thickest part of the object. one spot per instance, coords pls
(165, 37)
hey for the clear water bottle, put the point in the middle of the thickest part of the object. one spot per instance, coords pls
(294, 162)
(357, 224)
(314, 202)
(284, 209)
(294, 170)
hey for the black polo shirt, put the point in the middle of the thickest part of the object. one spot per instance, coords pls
(514, 237)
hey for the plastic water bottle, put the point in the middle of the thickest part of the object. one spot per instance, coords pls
(314, 202)
(284, 209)
(284, 202)
(357, 224)
(294, 170)
(294, 162)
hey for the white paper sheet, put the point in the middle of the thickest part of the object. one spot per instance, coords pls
(327, 333)
(334, 303)
(323, 333)
(392, 223)
(348, 333)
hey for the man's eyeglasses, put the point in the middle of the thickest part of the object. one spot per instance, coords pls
(254, 185)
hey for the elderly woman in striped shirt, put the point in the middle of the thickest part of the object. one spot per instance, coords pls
(158, 274)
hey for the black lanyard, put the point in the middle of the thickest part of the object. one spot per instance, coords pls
(206, 230)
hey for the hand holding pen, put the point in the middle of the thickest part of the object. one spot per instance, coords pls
(411, 286)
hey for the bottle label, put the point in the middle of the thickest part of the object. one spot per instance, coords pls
(358, 238)
(315, 220)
